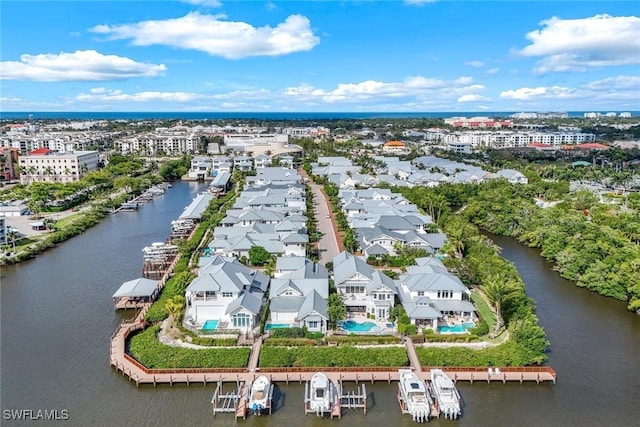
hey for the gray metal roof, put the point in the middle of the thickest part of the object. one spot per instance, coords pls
(313, 303)
(137, 288)
(197, 206)
(454, 305)
(248, 301)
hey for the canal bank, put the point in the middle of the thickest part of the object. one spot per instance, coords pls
(57, 317)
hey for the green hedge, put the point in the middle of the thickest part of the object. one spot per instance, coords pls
(365, 339)
(290, 342)
(146, 349)
(346, 356)
(429, 336)
(507, 354)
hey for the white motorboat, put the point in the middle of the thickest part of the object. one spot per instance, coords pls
(414, 395)
(320, 394)
(259, 398)
(446, 394)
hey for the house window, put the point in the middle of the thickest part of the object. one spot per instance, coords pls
(210, 295)
(227, 294)
(420, 293)
(241, 320)
(445, 294)
(288, 293)
(313, 325)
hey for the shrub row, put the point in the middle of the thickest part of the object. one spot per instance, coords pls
(146, 349)
(346, 356)
(365, 339)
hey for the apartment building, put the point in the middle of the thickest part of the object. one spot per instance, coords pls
(44, 165)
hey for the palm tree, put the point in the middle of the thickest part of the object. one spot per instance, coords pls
(174, 306)
(14, 235)
(499, 290)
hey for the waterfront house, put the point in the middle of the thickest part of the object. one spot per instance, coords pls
(228, 292)
(364, 289)
(298, 295)
(430, 294)
(200, 167)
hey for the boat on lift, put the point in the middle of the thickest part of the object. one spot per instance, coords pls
(446, 394)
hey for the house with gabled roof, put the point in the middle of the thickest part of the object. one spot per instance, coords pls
(298, 295)
(429, 293)
(364, 289)
(513, 176)
(228, 292)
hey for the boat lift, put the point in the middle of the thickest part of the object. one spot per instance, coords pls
(232, 401)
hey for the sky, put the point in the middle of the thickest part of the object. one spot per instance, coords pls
(319, 56)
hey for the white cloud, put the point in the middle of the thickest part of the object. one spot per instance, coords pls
(418, 2)
(270, 5)
(492, 70)
(527, 93)
(599, 92)
(471, 97)
(204, 3)
(475, 64)
(216, 36)
(576, 44)
(615, 83)
(413, 87)
(116, 95)
(81, 65)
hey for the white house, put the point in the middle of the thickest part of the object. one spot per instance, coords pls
(228, 292)
(428, 293)
(363, 289)
(298, 295)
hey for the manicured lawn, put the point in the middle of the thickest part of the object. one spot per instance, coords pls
(483, 309)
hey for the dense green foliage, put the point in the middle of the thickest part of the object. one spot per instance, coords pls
(597, 249)
(174, 287)
(175, 169)
(478, 263)
(258, 256)
(146, 349)
(507, 354)
(345, 356)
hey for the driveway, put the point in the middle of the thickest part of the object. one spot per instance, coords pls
(328, 244)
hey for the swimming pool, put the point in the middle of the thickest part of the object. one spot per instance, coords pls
(353, 326)
(269, 326)
(210, 325)
(456, 329)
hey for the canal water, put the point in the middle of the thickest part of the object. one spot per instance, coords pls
(57, 316)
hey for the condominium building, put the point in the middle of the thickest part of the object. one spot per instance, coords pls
(44, 165)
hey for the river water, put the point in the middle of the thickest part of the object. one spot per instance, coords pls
(57, 316)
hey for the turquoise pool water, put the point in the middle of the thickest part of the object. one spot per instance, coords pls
(275, 326)
(352, 326)
(210, 325)
(456, 329)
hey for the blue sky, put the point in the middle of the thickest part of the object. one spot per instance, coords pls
(319, 56)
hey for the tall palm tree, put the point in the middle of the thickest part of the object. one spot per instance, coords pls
(499, 290)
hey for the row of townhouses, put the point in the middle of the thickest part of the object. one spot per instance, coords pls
(429, 171)
(210, 166)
